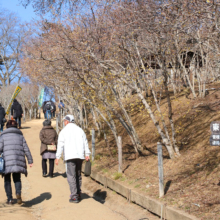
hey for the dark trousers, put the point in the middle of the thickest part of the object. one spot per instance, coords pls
(51, 167)
(53, 114)
(18, 120)
(17, 182)
(74, 178)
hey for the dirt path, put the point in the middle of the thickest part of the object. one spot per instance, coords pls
(46, 198)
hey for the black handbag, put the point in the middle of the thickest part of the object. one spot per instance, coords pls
(4, 120)
(87, 171)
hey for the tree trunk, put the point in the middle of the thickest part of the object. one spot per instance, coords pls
(163, 137)
(129, 121)
(176, 148)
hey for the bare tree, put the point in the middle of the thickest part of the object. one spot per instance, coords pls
(11, 37)
(98, 58)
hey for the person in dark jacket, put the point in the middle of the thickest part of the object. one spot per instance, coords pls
(48, 136)
(47, 108)
(14, 149)
(2, 115)
(17, 112)
(53, 109)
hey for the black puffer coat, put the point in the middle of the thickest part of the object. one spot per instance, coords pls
(16, 109)
(2, 114)
(14, 148)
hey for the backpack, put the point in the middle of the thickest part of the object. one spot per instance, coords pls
(48, 106)
(2, 164)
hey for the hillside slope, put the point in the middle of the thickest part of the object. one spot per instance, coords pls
(192, 181)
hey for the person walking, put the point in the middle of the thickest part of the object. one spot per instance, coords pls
(73, 143)
(47, 107)
(48, 136)
(53, 108)
(17, 112)
(2, 115)
(61, 106)
(14, 149)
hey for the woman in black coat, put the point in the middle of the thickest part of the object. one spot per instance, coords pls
(14, 149)
(17, 112)
(2, 115)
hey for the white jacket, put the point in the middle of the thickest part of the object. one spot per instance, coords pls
(73, 143)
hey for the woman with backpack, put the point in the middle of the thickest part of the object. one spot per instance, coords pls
(2, 116)
(48, 137)
(47, 108)
(17, 112)
(14, 149)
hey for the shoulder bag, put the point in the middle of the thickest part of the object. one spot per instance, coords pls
(51, 147)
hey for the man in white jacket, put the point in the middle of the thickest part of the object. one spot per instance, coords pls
(73, 143)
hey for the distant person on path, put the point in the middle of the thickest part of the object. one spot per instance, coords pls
(54, 108)
(17, 112)
(61, 106)
(48, 136)
(73, 143)
(14, 148)
(2, 115)
(47, 107)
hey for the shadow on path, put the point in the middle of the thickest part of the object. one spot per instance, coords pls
(84, 196)
(60, 174)
(22, 128)
(37, 200)
(100, 196)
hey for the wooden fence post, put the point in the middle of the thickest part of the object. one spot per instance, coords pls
(119, 154)
(57, 123)
(30, 114)
(39, 114)
(24, 115)
(160, 169)
(93, 144)
(62, 116)
(107, 145)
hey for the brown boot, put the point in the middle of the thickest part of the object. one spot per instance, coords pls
(19, 200)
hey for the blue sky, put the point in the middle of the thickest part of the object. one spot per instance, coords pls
(26, 14)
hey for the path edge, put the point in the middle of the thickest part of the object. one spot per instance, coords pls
(152, 205)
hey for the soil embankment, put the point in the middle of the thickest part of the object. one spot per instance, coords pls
(191, 181)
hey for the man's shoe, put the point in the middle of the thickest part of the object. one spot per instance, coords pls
(74, 200)
(79, 196)
(44, 174)
(20, 127)
(19, 200)
(10, 202)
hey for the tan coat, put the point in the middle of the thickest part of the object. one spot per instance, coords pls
(47, 136)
